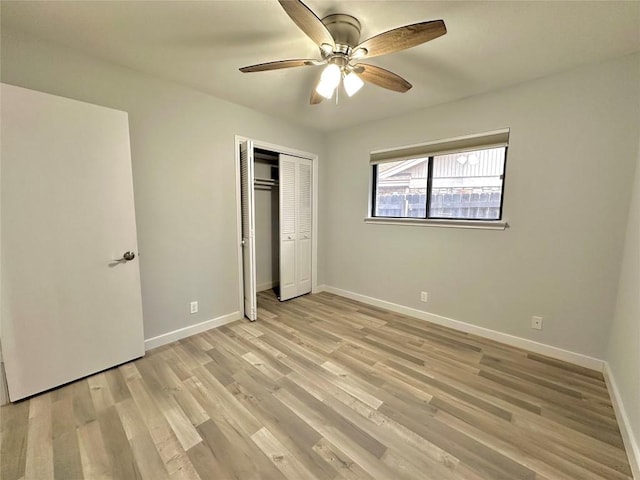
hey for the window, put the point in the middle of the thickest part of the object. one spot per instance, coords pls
(459, 179)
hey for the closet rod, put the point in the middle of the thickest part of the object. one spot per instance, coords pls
(266, 181)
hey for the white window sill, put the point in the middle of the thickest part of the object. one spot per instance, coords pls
(421, 222)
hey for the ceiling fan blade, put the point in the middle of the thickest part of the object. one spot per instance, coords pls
(262, 67)
(308, 22)
(381, 77)
(401, 38)
(316, 98)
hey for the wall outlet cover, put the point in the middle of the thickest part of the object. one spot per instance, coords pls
(536, 323)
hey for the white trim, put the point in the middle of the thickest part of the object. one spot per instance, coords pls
(185, 332)
(421, 222)
(541, 348)
(630, 442)
(237, 142)
(314, 209)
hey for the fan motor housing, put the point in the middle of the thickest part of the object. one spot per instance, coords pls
(344, 29)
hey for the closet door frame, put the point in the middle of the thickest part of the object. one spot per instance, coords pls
(314, 209)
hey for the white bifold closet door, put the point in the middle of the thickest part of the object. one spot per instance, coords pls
(295, 226)
(248, 230)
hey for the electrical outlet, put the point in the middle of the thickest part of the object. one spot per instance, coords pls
(424, 296)
(536, 322)
(194, 307)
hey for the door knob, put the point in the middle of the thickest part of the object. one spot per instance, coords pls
(126, 256)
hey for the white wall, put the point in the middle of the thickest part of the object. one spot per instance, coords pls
(573, 144)
(623, 354)
(182, 145)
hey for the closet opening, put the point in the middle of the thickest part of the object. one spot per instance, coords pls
(267, 198)
(277, 203)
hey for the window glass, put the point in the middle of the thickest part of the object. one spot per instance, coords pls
(467, 185)
(462, 186)
(401, 188)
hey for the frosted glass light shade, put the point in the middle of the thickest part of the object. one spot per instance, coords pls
(331, 75)
(325, 89)
(352, 83)
(329, 80)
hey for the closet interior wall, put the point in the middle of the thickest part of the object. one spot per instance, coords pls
(266, 198)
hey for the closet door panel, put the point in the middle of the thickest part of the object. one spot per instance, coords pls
(304, 226)
(248, 229)
(304, 265)
(288, 285)
(288, 227)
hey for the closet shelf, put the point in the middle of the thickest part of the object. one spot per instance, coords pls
(265, 182)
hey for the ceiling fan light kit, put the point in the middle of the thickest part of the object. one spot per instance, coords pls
(329, 80)
(352, 83)
(338, 39)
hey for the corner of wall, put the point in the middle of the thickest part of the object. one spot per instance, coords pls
(626, 430)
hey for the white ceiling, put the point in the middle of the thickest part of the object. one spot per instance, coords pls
(489, 45)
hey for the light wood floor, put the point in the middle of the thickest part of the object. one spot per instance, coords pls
(322, 387)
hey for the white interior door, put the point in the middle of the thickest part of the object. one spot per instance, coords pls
(248, 230)
(287, 169)
(304, 226)
(69, 309)
(295, 226)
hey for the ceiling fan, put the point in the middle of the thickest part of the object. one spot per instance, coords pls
(338, 37)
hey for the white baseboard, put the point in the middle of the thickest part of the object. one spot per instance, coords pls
(628, 435)
(541, 348)
(190, 330)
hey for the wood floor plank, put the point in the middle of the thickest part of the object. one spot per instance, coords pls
(93, 454)
(205, 461)
(39, 455)
(345, 467)
(66, 450)
(83, 408)
(405, 443)
(117, 385)
(123, 464)
(144, 451)
(237, 454)
(100, 392)
(14, 424)
(295, 434)
(168, 445)
(361, 452)
(551, 462)
(280, 455)
(322, 387)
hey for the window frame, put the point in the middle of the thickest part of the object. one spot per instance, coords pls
(473, 143)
